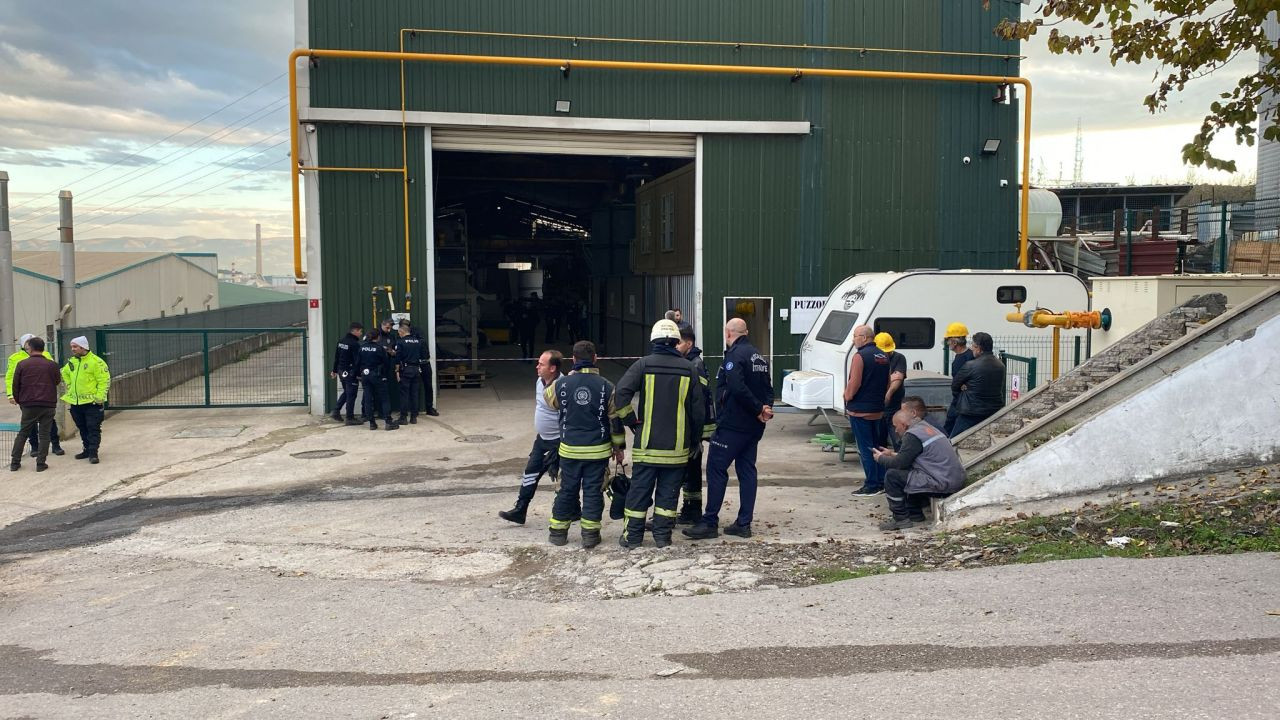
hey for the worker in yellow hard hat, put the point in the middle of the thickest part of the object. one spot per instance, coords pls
(956, 339)
(896, 391)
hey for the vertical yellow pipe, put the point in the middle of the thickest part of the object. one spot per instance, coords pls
(1023, 224)
(404, 183)
(296, 161)
(1057, 349)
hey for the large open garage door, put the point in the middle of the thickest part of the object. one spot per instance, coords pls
(544, 237)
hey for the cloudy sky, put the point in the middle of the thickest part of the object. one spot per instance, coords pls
(167, 120)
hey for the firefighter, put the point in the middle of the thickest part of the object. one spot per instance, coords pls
(408, 371)
(544, 458)
(374, 365)
(744, 399)
(659, 398)
(346, 357)
(589, 434)
(691, 493)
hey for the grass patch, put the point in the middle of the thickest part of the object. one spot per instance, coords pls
(824, 575)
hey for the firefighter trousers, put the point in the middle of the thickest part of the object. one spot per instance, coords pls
(658, 485)
(579, 478)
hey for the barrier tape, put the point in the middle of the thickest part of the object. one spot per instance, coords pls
(568, 357)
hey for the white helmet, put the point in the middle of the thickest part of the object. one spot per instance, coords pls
(665, 330)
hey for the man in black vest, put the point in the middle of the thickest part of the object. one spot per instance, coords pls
(864, 396)
(346, 356)
(589, 435)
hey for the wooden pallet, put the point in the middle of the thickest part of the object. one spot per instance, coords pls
(459, 379)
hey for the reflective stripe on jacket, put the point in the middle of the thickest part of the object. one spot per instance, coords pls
(88, 380)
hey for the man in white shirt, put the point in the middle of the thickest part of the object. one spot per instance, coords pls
(545, 456)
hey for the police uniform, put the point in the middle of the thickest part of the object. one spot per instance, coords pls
(346, 359)
(409, 350)
(744, 385)
(659, 399)
(389, 384)
(544, 457)
(589, 433)
(374, 365)
(691, 492)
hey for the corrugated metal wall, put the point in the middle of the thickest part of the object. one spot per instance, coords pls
(362, 224)
(878, 185)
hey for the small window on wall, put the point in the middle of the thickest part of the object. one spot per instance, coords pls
(908, 333)
(1010, 294)
(646, 229)
(835, 329)
(668, 224)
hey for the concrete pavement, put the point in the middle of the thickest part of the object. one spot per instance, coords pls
(222, 575)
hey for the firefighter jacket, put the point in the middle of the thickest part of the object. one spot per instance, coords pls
(346, 356)
(87, 379)
(658, 398)
(588, 428)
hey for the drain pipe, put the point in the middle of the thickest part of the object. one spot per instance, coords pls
(67, 248)
(8, 324)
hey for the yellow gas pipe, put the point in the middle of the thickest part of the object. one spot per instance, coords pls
(1041, 318)
(565, 65)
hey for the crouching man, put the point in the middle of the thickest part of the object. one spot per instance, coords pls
(926, 467)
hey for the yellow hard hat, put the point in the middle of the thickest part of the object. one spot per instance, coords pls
(884, 341)
(956, 330)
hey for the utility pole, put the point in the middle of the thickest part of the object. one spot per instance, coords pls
(1077, 177)
(8, 322)
(67, 249)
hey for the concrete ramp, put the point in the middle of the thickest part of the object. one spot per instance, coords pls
(1205, 403)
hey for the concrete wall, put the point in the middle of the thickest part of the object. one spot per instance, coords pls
(1215, 414)
(137, 387)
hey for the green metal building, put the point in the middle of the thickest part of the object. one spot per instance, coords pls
(798, 182)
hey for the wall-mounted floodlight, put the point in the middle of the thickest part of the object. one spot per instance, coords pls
(562, 106)
(991, 147)
(126, 303)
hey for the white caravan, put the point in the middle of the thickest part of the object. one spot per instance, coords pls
(915, 307)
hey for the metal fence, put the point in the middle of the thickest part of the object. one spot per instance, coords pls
(1032, 357)
(222, 367)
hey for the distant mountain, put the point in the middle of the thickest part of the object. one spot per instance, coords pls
(277, 252)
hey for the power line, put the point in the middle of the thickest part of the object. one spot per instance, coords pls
(190, 195)
(169, 137)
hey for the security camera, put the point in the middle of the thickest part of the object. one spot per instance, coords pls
(966, 160)
(1004, 183)
(309, 128)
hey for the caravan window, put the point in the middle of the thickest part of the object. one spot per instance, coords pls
(1009, 294)
(835, 329)
(908, 333)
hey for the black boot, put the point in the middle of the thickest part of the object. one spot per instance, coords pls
(402, 420)
(559, 536)
(353, 421)
(702, 531)
(413, 419)
(590, 539)
(433, 412)
(337, 416)
(633, 534)
(690, 514)
(392, 426)
(516, 514)
(662, 525)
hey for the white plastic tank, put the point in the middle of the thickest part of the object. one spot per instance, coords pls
(1045, 216)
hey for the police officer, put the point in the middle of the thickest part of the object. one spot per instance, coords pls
(408, 360)
(691, 493)
(388, 338)
(659, 399)
(744, 398)
(346, 358)
(589, 434)
(544, 457)
(375, 363)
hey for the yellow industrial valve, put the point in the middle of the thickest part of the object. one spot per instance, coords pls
(1042, 318)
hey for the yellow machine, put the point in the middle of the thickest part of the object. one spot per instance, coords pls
(1042, 318)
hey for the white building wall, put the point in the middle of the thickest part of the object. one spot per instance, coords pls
(151, 289)
(36, 303)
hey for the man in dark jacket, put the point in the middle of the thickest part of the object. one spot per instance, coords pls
(980, 384)
(590, 434)
(691, 493)
(864, 396)
(955, 342)
(927, 466)
(658, 399)
(35, 390)
(346, 356)
(744, 397)
(375, 363)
